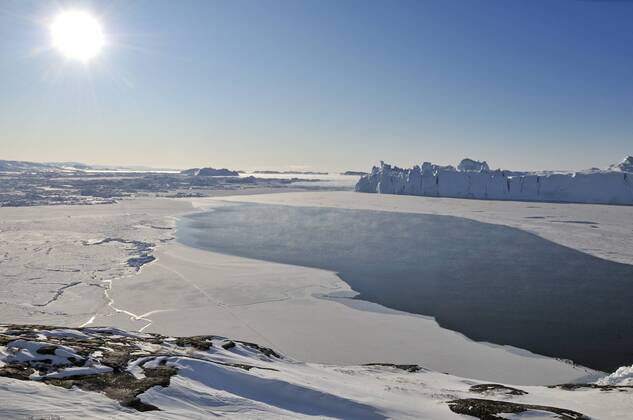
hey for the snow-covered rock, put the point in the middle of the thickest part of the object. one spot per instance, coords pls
(127, 375)
(474, 179)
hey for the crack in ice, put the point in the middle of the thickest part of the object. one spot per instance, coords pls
(58, 293)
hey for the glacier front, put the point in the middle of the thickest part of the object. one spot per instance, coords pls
(474, 179)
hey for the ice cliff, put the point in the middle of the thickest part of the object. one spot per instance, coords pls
(473, 179)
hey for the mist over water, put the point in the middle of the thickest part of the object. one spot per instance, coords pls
(492, 283)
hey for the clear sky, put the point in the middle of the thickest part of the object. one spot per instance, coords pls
(323, 84)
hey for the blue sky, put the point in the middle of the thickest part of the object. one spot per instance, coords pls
(328, 84)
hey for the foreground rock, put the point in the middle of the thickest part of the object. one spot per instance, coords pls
(117, 363)
(492, 410)
(107, 372)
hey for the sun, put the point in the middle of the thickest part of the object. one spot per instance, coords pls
(77, 35)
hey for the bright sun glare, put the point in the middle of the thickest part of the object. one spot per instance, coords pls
(77, 35)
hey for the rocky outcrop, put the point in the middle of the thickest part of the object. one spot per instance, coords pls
(492, 410)
(122, 365)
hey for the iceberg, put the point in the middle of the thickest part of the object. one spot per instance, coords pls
(625, 166)
(470, 165)
(474, 179)
(621, 377)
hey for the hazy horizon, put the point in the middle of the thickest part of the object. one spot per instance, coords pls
(289, 168)
(330, 85)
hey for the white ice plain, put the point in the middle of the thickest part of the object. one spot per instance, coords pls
(57, 269)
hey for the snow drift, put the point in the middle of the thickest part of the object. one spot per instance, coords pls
(473, 179)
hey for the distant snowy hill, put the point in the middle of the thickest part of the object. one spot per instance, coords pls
(209, 172)
(474, 179)
(22, 166)
(82, 373)
(15, 166)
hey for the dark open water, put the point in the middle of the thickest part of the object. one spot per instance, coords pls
(491, 283)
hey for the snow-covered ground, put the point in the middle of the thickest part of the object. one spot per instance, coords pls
(147, 376)
(75, 265)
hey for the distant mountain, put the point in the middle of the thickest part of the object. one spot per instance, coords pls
(25, 166)
(209, 172)
(22, 166)
(70, 165)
